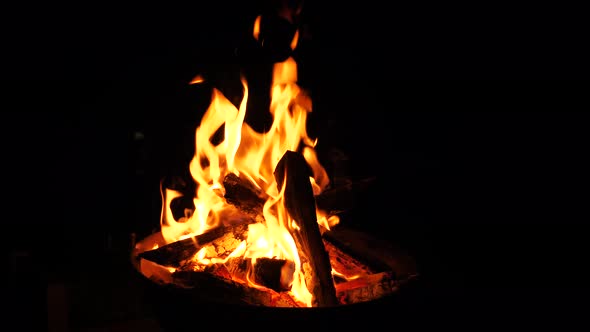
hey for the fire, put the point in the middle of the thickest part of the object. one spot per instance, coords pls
(253, 156)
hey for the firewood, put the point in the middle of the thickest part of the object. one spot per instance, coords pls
(175, 253)
(243, 194)
(294, 173)
(379, 255)
(249, 199)
(343, 198)
(266, 272)
(345, 265)
(210, 287)
(366, 288)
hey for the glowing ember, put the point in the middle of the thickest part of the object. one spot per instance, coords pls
(252, 156)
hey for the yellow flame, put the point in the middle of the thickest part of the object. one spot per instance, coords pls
(171, 229)
(253, 156)
(343, 276)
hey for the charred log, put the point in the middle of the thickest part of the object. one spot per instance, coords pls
(249, 199)
(242, 194)
(276, 274)
(343, 197)
(266, 272)
(293, 173)
(345, 265)
(379, 255)
(366, 288)
(175, 253)
(208, 287)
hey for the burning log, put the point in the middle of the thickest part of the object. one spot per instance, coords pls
(224, 239)
(266, 272)
(224, 264)
(345, 265)
(366, 288)
(249, 199)
(209, 287)
(243, 195)
(379, 255)
(343, 197)
(294, 173)
(358, 283)
(271, 272)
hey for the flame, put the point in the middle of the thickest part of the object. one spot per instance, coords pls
(197, 79)
(253, 156)
(343, 276)
(256, 30)
(295, 40)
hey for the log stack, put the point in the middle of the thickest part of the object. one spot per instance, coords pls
(342, 266)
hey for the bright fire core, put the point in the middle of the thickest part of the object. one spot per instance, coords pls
(253, 156)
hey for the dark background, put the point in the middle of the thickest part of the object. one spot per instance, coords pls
(472, 117)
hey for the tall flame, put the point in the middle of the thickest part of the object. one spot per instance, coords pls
(253, 156)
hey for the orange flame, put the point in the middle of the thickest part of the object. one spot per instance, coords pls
(197, 79)
(251, 155)
(256, 30)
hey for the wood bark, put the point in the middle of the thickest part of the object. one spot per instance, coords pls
(266, 272)
(175, 253)
(345, 265)
(378, 267)
(379, 255)
(294, 173)
(243, 194)
(344, 197)
(247, 198)
(210, 287)
(270, 272)
(227, 280)
(366, 288)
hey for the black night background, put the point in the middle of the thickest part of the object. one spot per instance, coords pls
(472, 118)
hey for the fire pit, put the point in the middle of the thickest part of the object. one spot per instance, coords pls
(260, 236)
(373, 298)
